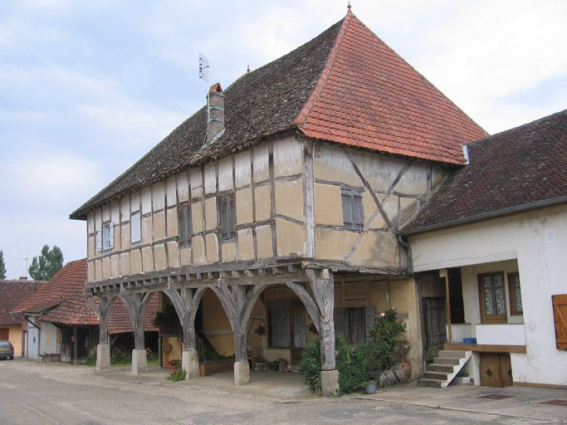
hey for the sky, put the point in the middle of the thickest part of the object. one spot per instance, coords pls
(88, 87)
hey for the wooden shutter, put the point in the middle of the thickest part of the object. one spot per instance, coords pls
(99, 240)
(348, 219)
(227, 217)
(110, 235)
(357, 212)
(560, 316)
(184, 223)
(370, 318)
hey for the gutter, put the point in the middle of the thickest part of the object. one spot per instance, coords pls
(488, 215)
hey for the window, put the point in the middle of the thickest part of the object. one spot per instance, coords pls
(355, 323)
(353, 215)
(279, 325)
(227, 218)
(516, 308)
(135, 227)
(492, 298)
(184, 223)
(105, 237)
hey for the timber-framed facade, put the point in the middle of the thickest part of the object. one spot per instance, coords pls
(293, 196)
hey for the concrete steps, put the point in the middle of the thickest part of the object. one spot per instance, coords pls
(444, 368)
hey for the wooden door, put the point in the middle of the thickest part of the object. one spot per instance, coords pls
(298, 334)
(4, 334)
(495, 370)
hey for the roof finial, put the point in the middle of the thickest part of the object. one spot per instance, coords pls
(349, 6)
(247, 69)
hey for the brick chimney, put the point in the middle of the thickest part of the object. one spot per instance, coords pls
(215, 113)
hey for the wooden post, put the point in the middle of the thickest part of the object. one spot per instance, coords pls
(445, 273)
(75, 347)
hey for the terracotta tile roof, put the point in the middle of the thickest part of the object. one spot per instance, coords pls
(369, 97)
(61, 300)
(516, 170)
(344, 86)
(12, 294)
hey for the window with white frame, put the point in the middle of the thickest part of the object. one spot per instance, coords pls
(105, 237)
(353, 214)
(135, 227)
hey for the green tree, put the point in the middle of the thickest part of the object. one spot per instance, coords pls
(46, 264)
(2, 266)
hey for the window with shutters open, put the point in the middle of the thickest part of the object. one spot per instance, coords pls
(353, 214)
(227, 218)
(184, 224)
(135, 227)
(105, 237)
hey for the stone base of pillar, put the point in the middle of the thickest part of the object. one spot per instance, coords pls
(139, 362)
(102, 357)
(241, 373)
(190, 363)
(330, 383)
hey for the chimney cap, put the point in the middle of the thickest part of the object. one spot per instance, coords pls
(215, 88)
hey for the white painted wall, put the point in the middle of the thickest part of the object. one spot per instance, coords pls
(500, 334)
(538, 240)
(49, 343)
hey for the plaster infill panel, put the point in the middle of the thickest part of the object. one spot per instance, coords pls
(288, 157)
(125, 268)
(196, 184)
(185, 256)
(261, 163)
(289, 199)
(147, 259)
(147, 230)
(262, 203)
(331, 164)
(331, 244)
(115, 266)
(415, 181)
(242, 169)
(91, 271)
(160, 257)
(136, 261)
(106, 268)
(212, 248)
(370, 209)
(197, 216)
(225, 174)
(172, 255)
(377, 250)
(245, 245)
(198, 247)
(210, 173)
(146, 200)
(228, 252)
(98, 270)
(158, 196)
(125, 236)
(182, 184)
(328, 205)
(211, 213)
(290, 238)
(171, 191)
(159, 225)
(172, 229)
(264, 242)
(243, 206)
(91, 251)
(408, 208)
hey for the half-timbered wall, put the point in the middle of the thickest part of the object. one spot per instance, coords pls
(398, 185)
(267, 185)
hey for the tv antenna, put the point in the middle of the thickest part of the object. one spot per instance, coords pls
(203, 67)
(26, 260)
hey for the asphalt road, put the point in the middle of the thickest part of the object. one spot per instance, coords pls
(34, 394)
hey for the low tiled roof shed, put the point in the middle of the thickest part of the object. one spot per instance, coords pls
(517, 170)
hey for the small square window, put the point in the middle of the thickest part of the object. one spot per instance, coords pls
(227, 218)
(184, 223)
(353, 214)
(135, 227)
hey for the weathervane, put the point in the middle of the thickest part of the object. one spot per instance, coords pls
(203, 67)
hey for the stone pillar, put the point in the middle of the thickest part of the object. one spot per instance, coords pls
(139, 361)
(329, 383)
(241, 373)
(102, 357)
(190, 363)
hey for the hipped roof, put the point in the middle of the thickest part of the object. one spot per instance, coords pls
(61, 300)
(513, 171)
(344, 86)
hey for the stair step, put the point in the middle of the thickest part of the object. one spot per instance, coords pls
(446, 361)
(441, 368)
(431, 382)
(436, 375)
(452, 354)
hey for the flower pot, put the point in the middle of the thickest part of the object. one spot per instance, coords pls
(371, 388)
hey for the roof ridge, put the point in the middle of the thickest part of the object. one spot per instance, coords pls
(322, 81)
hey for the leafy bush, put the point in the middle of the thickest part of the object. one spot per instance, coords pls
(349, 364)
(178, 375)
(386, 330)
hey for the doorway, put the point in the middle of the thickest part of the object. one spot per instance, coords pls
(496, 370)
